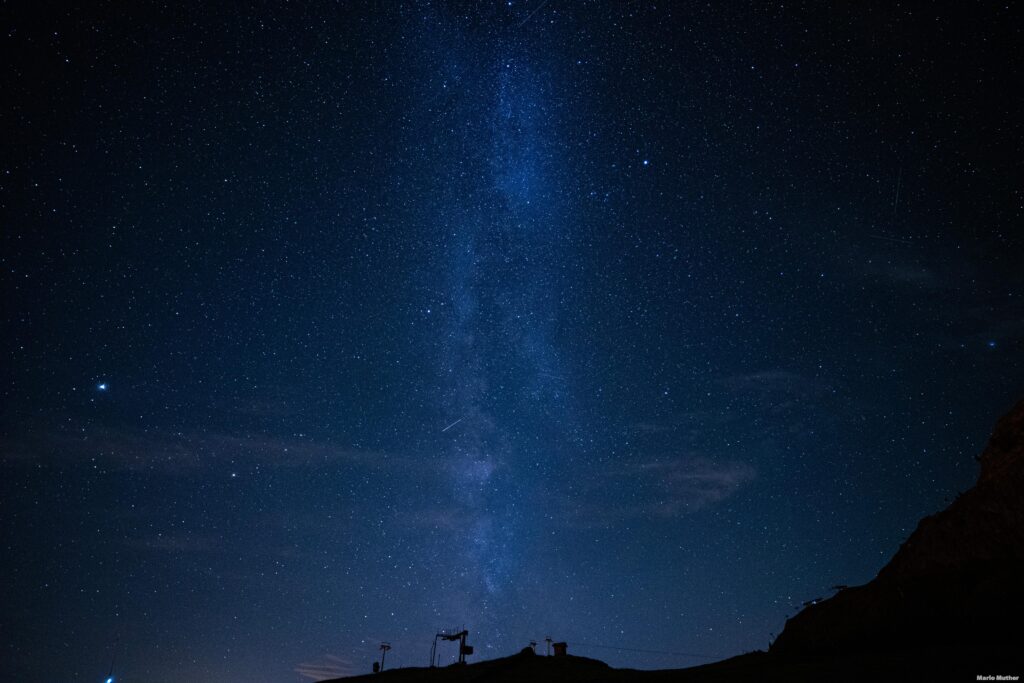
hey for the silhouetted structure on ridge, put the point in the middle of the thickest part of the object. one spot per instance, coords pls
(946, 607)
(451, 635)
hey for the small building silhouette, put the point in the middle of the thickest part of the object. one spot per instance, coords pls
(560, 649)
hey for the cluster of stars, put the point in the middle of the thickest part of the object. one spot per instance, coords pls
(505, 314)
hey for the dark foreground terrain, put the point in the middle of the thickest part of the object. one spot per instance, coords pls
(949, 606)
(756, 666)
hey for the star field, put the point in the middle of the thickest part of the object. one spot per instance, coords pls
(633, 324)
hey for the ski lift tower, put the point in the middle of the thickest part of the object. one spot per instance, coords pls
(452, 635)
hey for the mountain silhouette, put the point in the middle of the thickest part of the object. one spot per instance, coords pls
(948, 606)
(955, 586)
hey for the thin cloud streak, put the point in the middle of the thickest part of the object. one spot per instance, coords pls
(663, 489)
(181, 453)
(328, 666)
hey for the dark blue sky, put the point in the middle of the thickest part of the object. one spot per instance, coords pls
(631, 324)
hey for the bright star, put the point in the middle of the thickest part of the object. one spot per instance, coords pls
(102, 386)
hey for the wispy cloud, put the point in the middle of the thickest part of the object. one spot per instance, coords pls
(914, 276)
(692, 484)
(170, 452)
(999, 318)
(776, 390)
(774, 381)
(663, 489)
(328, 666)
(177, 544)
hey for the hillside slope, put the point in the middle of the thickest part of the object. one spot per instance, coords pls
(948, 606)
(956, 585)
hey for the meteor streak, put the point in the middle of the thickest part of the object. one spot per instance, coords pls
(452, 425)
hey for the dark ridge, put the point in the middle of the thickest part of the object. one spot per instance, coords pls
(948, 606)
(955, 586)
(531, 668)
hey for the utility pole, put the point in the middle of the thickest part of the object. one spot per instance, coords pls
(384, 647)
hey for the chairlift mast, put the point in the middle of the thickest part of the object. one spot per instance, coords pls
(452, 635)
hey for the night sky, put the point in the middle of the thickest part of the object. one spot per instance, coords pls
(632, 324)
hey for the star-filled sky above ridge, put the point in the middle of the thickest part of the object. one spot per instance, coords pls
(632, 324)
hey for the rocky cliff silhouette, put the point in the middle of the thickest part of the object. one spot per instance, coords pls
(956, 585)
